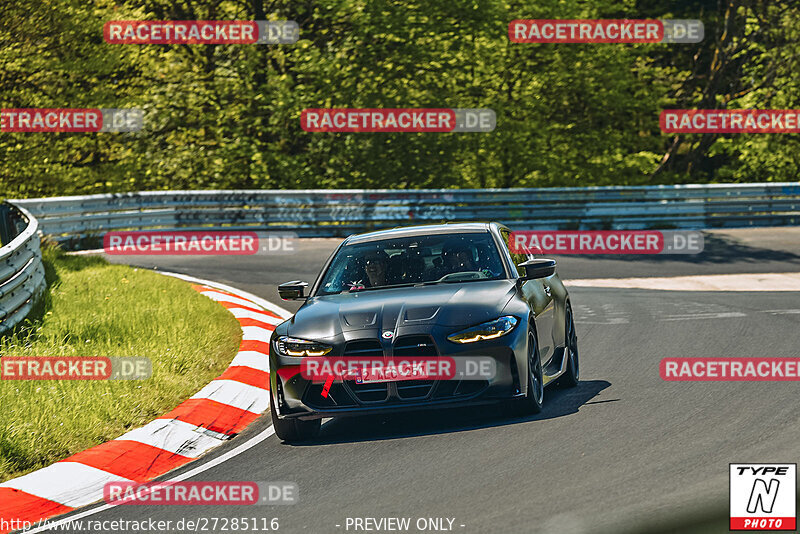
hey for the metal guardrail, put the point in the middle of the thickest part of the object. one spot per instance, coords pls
(21, 271)
(330, 213)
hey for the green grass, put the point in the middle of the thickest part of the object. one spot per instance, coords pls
(93, 308)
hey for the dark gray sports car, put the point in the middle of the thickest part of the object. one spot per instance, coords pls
(440, 291)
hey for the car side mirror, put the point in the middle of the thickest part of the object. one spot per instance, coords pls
(538, 268)
(294, 290)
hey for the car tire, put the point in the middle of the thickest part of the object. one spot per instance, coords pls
(571, 375)
(291, 430)
(531, 403)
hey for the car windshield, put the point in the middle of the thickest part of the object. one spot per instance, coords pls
(431, 259)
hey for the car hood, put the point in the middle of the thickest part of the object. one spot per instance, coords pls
(454, 304)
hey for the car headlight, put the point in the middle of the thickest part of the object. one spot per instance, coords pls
(291, 346)
(489, 330)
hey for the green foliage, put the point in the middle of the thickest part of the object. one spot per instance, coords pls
(228, 116)
(93, 308)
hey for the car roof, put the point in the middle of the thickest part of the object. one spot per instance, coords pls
(428, 229)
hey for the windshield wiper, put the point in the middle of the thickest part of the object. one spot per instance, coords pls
(360, 289)
(412, 284)
(452, 281)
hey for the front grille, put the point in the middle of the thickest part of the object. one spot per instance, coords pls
(370, 392)
(407, 390)
(363, 347)
(414, 389)
(411, 346)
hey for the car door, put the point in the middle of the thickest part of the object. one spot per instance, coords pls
(539, 296)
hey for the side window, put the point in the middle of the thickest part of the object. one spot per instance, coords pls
(517, 258)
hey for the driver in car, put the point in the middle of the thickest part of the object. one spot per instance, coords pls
(458, 259)
(376, 264)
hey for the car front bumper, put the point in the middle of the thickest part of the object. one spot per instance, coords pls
(296, 396)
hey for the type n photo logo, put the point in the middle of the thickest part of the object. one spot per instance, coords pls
(763, 497)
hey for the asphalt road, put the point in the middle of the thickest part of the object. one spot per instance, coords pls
(623, 452)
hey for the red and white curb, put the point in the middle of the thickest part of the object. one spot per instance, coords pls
(221, 409)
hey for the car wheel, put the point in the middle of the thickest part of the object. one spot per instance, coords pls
(571, 374)
(290, 430)
(532, 402)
